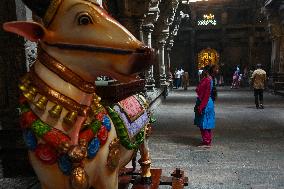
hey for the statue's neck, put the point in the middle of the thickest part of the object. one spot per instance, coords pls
(62, 79)
(58, 87)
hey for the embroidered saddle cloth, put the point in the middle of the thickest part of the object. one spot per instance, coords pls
(132, 112)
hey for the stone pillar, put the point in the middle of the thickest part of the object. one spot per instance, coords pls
(162, 67)
(250, 49)
(276, 37)
(150, 81)
(274, 12)
(168, 61)
(281, 19)
(281, 54)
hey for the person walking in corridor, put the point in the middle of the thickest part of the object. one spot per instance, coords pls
(204, 108)
(258, 80)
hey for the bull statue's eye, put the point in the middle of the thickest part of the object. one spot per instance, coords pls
(84, 19)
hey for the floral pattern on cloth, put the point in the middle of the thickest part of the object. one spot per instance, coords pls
(131, 107)
(132, 127)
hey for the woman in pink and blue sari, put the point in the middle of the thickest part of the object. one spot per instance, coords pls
(204, 108)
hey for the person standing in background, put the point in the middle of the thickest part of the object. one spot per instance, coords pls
(185, 80)
(258, 80)
(204, 108)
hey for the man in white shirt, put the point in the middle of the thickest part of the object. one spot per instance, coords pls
(177, 78)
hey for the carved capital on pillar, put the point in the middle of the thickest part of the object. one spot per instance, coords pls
(153, 13)
(172, 11)
(162, 38)
(274, 12)
(170, 44)
(274, 27)
(148, 28)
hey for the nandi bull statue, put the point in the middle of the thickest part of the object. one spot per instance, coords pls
(74, 141)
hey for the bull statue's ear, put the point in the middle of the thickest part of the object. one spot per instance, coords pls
(29, 30)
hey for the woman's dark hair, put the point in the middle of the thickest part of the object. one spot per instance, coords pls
(207, 68)
(211, 70)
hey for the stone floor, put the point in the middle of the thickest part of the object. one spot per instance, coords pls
(248, 147)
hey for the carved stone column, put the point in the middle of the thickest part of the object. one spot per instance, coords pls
(148, 27)
(162, 67)
(149, 76)
(275, 30)
(168, 61)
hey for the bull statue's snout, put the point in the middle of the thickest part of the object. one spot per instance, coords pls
(141, 59)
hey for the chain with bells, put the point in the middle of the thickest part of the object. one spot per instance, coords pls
(77, 153)
(30, 92)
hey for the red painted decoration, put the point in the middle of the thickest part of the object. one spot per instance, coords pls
(22, 100)
(87, 135)
(100, 116)
(46, 154)
(103, 135)
(27, 119)
(55, 138)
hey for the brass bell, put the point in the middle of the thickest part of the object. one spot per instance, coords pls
(23, 86)
(97, 98)
(25, 78)
(70, 118)
(41, 103)
(30, 94)
(55, 111)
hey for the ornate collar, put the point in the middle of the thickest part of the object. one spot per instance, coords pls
(65, 73)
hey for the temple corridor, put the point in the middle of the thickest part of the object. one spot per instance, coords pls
(247, 151)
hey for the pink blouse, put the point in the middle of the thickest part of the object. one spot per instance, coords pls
(203, 91)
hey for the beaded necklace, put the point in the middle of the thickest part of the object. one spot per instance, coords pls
(57, 144)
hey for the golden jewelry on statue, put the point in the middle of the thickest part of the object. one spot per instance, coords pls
(113, 155)
(96, 105)
(65, 73)
(64, 147)
(79, 179)
(23, 86)
(25, 83)
(30, 94)
(41, 103)
(70, 118)
(57, 97)
(55, 111)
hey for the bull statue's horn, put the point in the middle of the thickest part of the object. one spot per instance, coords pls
(45, 9)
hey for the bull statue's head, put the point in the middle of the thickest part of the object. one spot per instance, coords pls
(83, 37)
